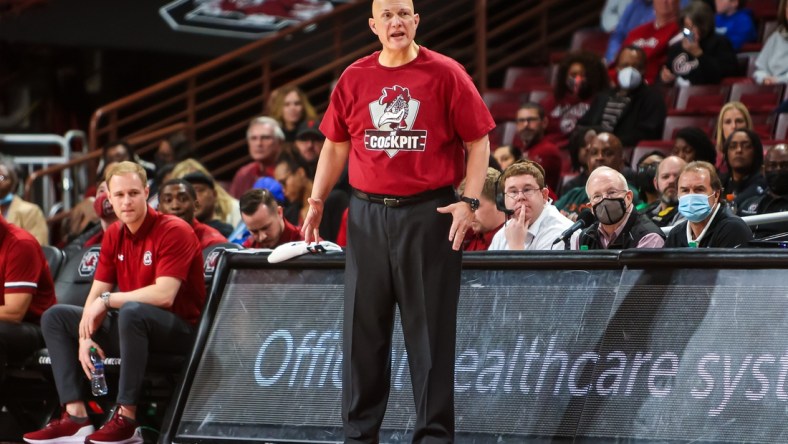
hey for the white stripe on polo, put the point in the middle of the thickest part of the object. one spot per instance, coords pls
(20, 284)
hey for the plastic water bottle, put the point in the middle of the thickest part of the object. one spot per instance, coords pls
(729, 199)
(98, 382)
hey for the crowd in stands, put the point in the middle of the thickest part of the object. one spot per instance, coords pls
(597, 148)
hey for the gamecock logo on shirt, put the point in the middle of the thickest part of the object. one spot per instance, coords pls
(87, 266)
(393, 115)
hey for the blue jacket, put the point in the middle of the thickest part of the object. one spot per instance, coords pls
(738, 27)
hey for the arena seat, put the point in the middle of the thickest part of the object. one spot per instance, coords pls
(781, 128)
(73, 282)
(675, 123)
(758, 98)
(763, 125)
(503, 105)
(524, 78)
(590, 39)
(763, 10)
(55, 258)
(503, 134)
(540, 95)
(646, 146)
(700, 99)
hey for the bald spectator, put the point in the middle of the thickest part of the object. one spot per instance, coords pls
(487, 219)
(264, 138)
(618, 225)
(535, 223)
(25, 215)
(775, 168)
(531, 124)
(178, 198)
(665, 212)
(265, 221)
(709, 223)
(605, 150)
(633, 111)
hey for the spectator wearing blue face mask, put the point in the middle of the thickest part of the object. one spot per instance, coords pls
(709, 223)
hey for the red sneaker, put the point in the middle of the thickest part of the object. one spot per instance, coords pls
(118, 430)
(62, 430)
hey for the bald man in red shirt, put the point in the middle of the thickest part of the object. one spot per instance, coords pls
(155, 261)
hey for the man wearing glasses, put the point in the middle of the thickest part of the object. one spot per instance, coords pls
(531, 124)
(535, 222)
(619, 225)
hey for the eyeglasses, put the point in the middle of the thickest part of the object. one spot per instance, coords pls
(528, 119)
(609, 194)
(528, 192)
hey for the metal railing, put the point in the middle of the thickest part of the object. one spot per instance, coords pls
(51, 187)
(218, 98)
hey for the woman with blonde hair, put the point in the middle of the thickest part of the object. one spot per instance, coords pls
(290, 107)
(227, 209)
(733, 115)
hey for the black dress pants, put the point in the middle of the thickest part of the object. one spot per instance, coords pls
(400, 256)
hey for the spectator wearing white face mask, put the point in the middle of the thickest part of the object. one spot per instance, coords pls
(633, 111)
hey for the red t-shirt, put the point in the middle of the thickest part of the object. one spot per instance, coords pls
(24, 269)
(290, 233)
(479, 241)
(654, 43)
(406, 125)
(207, 235)
(247, 175)
(164, 245)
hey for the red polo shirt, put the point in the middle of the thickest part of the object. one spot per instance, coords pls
(290, 233)
(207, 235)
(163, 246)
(24, 269)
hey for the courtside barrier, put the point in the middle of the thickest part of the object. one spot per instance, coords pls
(594, 347)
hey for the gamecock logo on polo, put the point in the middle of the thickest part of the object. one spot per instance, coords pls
(87, 266)
(393, 115)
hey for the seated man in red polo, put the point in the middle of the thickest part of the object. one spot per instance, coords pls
(265, 221)
(155, 261)
(178, 198)
(27, 291)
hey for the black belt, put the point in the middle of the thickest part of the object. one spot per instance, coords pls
(401, 201)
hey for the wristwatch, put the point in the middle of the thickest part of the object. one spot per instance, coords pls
(474, 203)
(105, 298)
